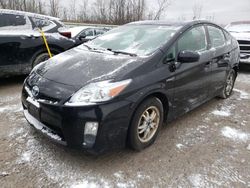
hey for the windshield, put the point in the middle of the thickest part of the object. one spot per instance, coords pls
(141, 40)
(239, 28)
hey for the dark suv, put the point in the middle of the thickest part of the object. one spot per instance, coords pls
(21, 43)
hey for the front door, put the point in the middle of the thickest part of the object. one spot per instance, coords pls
(191, 79)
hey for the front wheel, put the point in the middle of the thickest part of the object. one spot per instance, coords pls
(146, 124)
(40, 58)
(229, 85)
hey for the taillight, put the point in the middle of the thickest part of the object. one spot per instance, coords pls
(66, 34)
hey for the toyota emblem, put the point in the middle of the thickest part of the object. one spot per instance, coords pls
(35, 91)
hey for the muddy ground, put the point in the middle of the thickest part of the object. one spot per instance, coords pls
(208, 147)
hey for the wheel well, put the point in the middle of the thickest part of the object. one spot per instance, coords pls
(236, 69)
(164, 101)
(162, 98)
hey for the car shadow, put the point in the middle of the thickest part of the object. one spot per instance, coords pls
(12, 80)
(244, 68)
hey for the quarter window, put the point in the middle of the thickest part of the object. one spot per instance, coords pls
(12, 20)
(217, 37)
(194, 40)
(44, 24)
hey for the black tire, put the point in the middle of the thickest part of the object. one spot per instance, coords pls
(40, 58)
(229, 85)
(138, 120)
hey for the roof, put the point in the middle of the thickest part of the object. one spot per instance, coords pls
(169, 22)
(240, 22)
(28, 14)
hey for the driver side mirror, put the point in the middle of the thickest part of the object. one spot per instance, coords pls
(188, 56)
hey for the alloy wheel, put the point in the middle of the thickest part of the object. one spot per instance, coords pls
(148, 124)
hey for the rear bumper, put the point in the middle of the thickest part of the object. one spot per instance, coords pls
(65, 125)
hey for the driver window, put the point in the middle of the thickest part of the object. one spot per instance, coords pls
(193, 40)
(88, 33)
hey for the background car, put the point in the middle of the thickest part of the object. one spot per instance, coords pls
(120, 87)
(21, 44)
(83, 34)
(241, 31)
(12, 19)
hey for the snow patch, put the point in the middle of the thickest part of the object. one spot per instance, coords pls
(234, 134)
(180, 146)
(248, 147)
(196, 180)
(221, 113)
(26, 157)
(243, 94)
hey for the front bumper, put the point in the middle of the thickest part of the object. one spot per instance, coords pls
(65, 124)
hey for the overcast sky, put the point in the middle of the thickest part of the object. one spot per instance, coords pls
(223, 11)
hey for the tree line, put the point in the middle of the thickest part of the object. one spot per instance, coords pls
(98, 11)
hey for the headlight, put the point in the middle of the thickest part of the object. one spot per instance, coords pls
(97, 92)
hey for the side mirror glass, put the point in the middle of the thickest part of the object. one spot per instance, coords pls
(187, 56)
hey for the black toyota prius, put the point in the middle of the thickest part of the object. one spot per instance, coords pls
(119, 89)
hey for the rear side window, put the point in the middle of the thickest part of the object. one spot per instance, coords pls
(217, 37)
(194, 40)
(44, 24)
(87, 33)
(7, 20)
(99, 32)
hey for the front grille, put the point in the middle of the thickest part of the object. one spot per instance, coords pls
(42, 97)
(244, 46)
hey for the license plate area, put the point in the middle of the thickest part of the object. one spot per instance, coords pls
(33, 108)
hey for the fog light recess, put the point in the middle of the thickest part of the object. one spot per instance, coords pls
(90, 132)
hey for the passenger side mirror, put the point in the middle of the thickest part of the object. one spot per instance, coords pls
(81, 37)
(187, 56)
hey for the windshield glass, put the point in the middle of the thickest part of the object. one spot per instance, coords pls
(141, 40)
(239, 28)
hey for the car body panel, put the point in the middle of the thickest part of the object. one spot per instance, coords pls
(20, 46)
(180, 90)
(243, 38)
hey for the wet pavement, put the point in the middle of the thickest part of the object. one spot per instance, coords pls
(208, 147)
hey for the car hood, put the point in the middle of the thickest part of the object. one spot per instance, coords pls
(241, 36)
(79, 66)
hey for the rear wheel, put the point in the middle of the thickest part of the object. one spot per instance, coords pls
(40, 58)
(146, 124)
(229, 85)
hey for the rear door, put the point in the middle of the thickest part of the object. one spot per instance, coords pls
(220, 59)
(191, 79)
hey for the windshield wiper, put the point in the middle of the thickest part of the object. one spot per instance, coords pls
(89, 48)
(122, 52)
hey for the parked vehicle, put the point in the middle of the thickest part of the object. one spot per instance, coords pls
(83, 34)
(21, 44)
(120, 87)
(241, 31)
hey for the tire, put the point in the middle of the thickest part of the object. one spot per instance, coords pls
(143, 121)
(40, 58)
(229, 85)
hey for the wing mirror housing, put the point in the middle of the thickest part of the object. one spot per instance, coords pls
(187, 56)
(81, 37)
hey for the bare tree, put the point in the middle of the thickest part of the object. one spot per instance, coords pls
(54, 8)
(197, 11)
(161, 7)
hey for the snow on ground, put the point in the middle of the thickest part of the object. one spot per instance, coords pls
(234, 134)
(196, 180)
(244, 78)
(243, 94)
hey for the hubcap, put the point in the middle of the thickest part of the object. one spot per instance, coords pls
(148, 124)
(230, 83)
